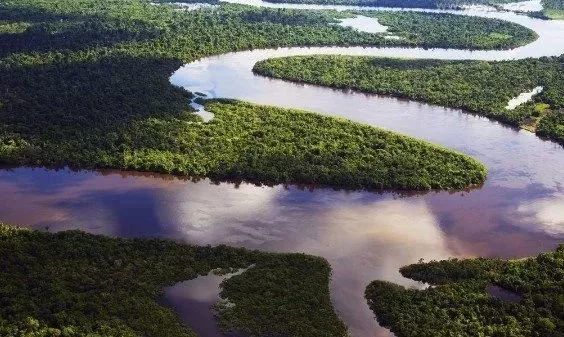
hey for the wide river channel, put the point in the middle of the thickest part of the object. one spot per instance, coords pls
(365, 236)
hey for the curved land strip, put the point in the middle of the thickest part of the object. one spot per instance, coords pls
(77, 284)
(481, 87)
(85, 85)
(553, 9)
(529, 302)
(443, 30)
(59, 60)
(431, 4)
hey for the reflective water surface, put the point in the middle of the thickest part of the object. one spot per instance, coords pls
(503, 294)
(202, 293)
(524, 6)
(364, 24)
(365, 236)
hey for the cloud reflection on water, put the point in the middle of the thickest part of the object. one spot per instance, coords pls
(365, 236)
(547, 213)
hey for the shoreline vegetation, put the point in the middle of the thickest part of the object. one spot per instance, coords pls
(85, 85)
(458, 301)
(269, 145)
(81, 285)
(75, 284)
(466, 32)
(553, 9)
(429, 4)
(481, 87)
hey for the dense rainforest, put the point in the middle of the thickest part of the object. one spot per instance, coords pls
(476, 297)
(85, 84)
(400, 3)
(478, 86)
(553, 4)
(74, 284)
(466, 32)
(553, 9)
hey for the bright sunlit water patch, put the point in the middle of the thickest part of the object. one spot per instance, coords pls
(183, 6)
(364, 24)
(548, 213)
(524, 6)
(523, 98)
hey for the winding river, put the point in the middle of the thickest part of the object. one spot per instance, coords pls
(365, 236)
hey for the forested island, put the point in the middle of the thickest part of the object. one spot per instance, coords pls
(553, 9)
(431, 4)
(85, 84)
(74, 284)
(480, 87)
(444, 30)
(476, 297)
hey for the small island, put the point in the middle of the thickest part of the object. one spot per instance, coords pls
(475, 297)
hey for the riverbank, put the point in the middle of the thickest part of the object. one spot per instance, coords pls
(484, 88)
(365, 236)
(73, 98)
(78, 284)
(459, 301)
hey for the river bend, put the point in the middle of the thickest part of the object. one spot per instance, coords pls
(365, 236)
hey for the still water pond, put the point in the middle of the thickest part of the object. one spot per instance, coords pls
(365, 236)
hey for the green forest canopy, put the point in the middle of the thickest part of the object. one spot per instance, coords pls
(457, 303)
(73, 284)
(401, 3)
(478, 86)
(85, 84)
(553, 4)
(553, 9)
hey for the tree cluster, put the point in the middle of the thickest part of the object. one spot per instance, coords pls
(73, 284)
(477, 86)
(459, 304)
(95, 94)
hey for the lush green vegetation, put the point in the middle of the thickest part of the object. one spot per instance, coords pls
(477, 86)
(252, 293)
(85, 84)
(553, 9)
(243, 141)
(186, 1)
(282, 145)
(74, 284)
(400, 3)
(459, 305)
(466, 31)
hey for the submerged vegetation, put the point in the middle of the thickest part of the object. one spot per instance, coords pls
(459, 305)
(478, 86)
(75, 284)
(85, 84)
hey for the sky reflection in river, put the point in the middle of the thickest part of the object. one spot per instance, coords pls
(364, 235)
(363, 24)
